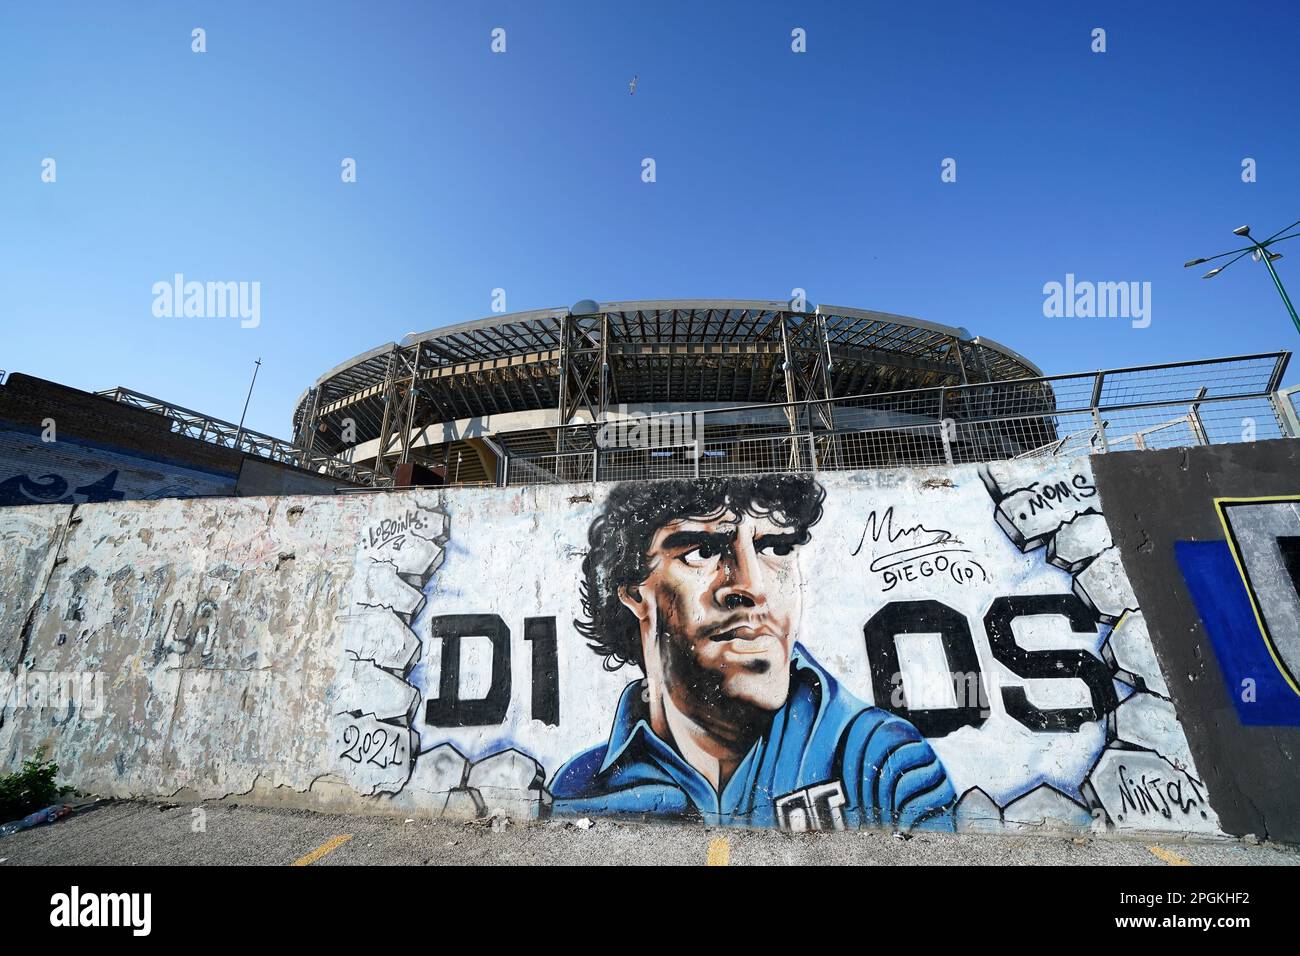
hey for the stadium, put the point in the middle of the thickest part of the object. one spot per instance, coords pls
(745, 386)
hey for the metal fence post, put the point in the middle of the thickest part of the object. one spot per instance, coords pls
(1100, 426)
(1287, 410)
(812, 450)
(1194, 419)
(943, 428)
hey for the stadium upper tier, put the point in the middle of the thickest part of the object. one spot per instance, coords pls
(540, 369)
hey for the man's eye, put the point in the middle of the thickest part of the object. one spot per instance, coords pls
(698, 556)
(780, 549)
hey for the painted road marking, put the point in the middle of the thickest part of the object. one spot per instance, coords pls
(324, 849)
(719, 852)
(1173, 859)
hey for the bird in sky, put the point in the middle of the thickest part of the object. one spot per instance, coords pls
(632, 86)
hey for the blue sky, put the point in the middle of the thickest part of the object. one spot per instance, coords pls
(522, 171)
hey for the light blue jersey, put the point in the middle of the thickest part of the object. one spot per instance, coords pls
(828, 761)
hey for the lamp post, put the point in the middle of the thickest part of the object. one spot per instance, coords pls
(239, 433)
(1261, 253)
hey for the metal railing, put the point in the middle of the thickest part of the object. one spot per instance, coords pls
(1289, 400)
(192, 424)
(1173, 405)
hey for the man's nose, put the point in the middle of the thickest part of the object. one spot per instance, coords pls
(737, 599)
(742, 585)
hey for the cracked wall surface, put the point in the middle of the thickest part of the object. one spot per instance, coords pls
(1144, 777)
(416, 653)
(27, 541)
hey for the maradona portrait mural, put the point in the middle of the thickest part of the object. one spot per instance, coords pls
(699, 584)
(894, 648)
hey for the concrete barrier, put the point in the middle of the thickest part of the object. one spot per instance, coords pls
(1211, 541)
(943, 648)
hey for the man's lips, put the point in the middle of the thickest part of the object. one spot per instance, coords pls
(746, 640)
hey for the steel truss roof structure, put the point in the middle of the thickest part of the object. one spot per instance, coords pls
(592, 357)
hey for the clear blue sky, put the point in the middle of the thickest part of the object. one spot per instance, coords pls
(522, 170)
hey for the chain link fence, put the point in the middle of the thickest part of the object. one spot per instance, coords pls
(1215, 401)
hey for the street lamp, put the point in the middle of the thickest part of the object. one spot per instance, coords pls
(1260, 254)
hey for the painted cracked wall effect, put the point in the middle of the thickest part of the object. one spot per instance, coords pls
(944, 648)
(1144, 777)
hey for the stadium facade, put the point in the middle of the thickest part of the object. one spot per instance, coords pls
(458, 400)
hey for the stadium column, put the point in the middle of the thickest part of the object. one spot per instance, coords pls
(806, 364)
(381, 465)
(412, 393)
(583, 364)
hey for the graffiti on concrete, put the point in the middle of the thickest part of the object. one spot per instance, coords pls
(808, 653)
(919, 552)
(1143, 740)
(396, 557)
(1247, 591)
(1264, 535)
(52, 489)
(377, 746)
(721, 650)
(70, 472)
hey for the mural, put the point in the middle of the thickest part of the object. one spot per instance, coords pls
(698, 584)
(896, 648)
(373, 712)
(1247, 592)
(73, 472)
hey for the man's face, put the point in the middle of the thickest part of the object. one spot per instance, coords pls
(719, 613)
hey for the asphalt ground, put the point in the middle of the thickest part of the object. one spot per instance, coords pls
(130, 833)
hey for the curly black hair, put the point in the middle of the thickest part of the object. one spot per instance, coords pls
(620, 536)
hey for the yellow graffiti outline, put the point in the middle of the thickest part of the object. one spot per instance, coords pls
(1250, 591)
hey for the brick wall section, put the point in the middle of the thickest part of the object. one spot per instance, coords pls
(27, 401)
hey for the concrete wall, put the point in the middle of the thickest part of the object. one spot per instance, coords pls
(939, 647)
(1211, 542)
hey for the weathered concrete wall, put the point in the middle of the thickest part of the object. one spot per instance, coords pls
(28, 546)
(1211, 541)
(940, 647)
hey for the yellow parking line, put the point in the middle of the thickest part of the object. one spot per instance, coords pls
(1173, 859)
(719, 852)
(323, 850)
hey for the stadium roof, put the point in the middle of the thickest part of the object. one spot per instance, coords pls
(690, 351)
